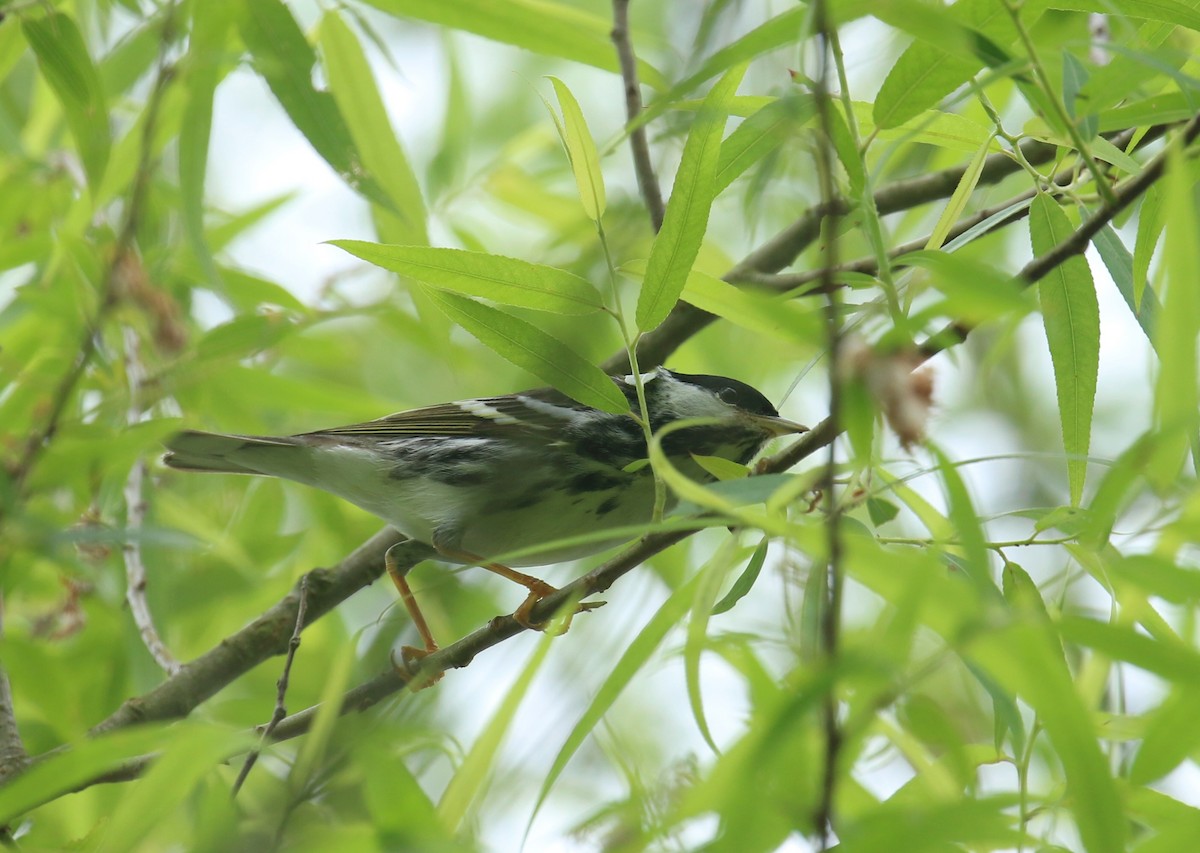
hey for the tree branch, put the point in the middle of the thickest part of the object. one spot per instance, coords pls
(642, 167)
(780, 251)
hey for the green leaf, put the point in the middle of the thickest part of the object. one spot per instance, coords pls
(1175, 392)
(581, 149)
(1171, 11)
(974, 291)
(786, 28)
(1173, 661)
(934, 65)
(1021, 592)
(1071, 317)
(169, 783)
(550, 29)
(468, 780)
(510, 281)
(285, 60)
(1024, 658)
(1171, 736)
(712, 575)
(776, 316)
(359, 102)
(745, 581)
(206, 45)
(721, 468)
(966, 522)
(1119, 263)
(634, 658)
(1149, 229)
(686, 219)
(959, 198)
(63, 59)
(528, 347)
(881, 511)
(760, 134)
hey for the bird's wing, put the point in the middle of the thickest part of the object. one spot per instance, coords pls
(530, 412)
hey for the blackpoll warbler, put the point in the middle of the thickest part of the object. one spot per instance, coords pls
(484, 477)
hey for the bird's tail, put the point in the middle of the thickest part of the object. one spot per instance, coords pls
(230, 454)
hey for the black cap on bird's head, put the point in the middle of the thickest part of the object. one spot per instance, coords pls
(698, 395)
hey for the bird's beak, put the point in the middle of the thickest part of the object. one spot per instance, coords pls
(778, 426)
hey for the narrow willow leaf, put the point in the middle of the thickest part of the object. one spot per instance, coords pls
(510, 281)
(1149, 229)
(786, 28)
(1175, 403)
(712, 576)
(966, 522)
(581, 149)
(760, 134)
(959, 198)
(1024, 658)
(1172, 11)
(468, 780)
(930, 127)
(634, 658)
(974, 291)
(528, 347)
(168, 784)
(357, 97)
(721, 468)
(1022, 593)
(929, 70)
(1171, 736)
(1174, 661)
(206, 46)
(63, 59)
(1119, 262)
(677, 244)
(549, 29)
(745, 581)
(285, 59)
(1071, 317)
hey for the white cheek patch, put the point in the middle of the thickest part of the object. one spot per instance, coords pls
(647, 378)
(690, 401)
(483, 411)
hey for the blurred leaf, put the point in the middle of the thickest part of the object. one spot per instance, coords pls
(1023, 657)
(1160, 577)
(631, 662)
(958, 199)
(745, 581)
(550, 29)
(1175, 393)
(1172, 11)
(1149, 228)
(927, 71)
(206, 47)
(581, 149)
(285, 59)
(966, 522)
(881, 511)
(1172, 660)
(781, 318)
(510, 281)
(720, 467)
(1171, 736)
(171, 780)
(467, 782)
(712, 575)
(359, 103)
(759, 134)
(785, 29)
(530, 348)
(64, 61)
(1022, 593)
(976, 292)
(1071, 317)
(686, 219)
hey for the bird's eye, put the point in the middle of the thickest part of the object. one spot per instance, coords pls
(728, 395)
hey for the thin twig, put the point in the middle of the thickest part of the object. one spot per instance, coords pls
(831, 606)
(642, 167)
(281, 688)
(781, 250)
(13, 757)
(135, 517)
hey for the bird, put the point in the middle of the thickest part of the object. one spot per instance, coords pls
(483, 477)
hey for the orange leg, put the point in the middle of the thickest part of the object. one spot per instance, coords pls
(538, 589)
(410, 655)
